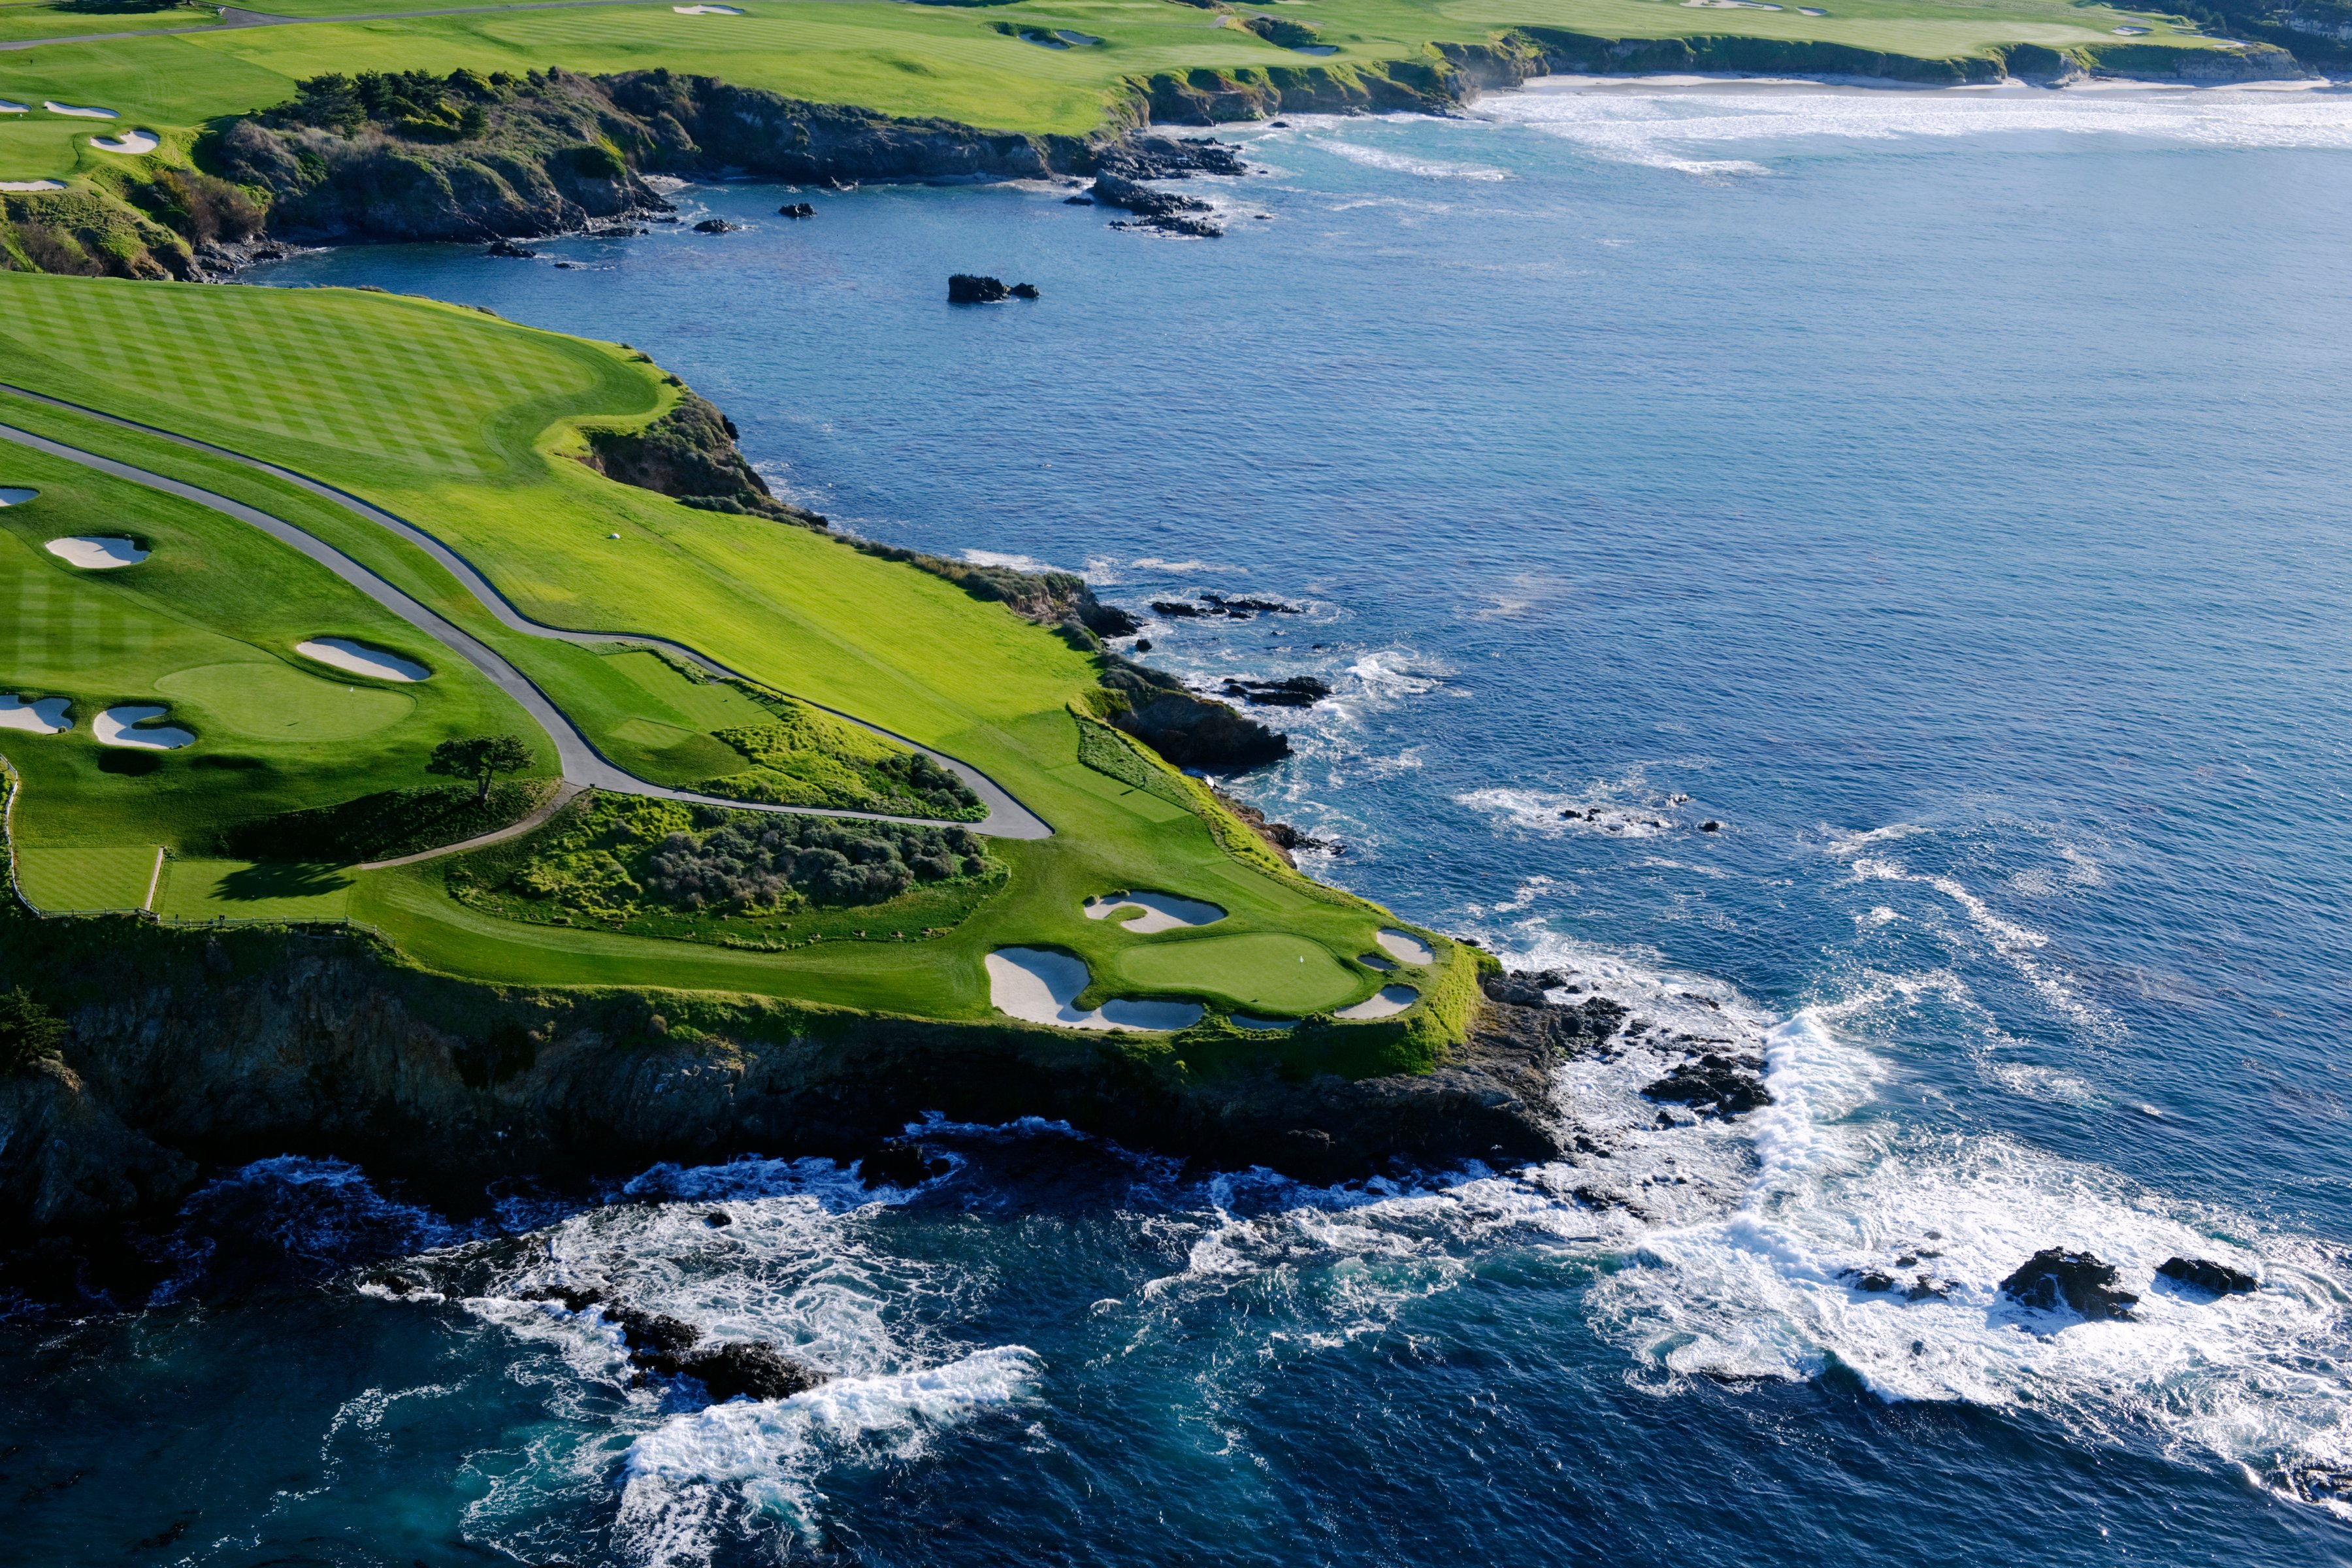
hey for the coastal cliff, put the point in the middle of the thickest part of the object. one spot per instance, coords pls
(197, 1048)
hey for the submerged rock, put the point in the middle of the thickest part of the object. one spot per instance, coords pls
(2219, 1279)
(1162, 210)
(796, 209)
(2077, 1278)
(716, 225)
(652, 1334)
(511, 248)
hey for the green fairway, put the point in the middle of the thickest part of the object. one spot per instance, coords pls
(199, 889)
(87, 877)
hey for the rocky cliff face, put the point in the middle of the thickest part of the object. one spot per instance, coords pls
(256, 1043)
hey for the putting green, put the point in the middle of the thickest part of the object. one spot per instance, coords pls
(1276, 973)
(272, 702)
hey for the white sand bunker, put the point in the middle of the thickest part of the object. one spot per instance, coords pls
(361, 660)
(32, 185)
(8, 108)
(133, 143)
(46, 715)
(1391, 1000)
(78, 110)
(9, 497)
(1037, 985)
(1406, 948)
(96, 551)
(1161, 911)
(114, 728)
(706, 10)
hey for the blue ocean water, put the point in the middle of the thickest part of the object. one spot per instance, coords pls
(1943, 493)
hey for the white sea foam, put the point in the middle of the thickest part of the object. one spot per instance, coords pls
(699, 1478)
(1697, 130)
(1406, 163)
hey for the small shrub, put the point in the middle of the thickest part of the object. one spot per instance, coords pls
(29, 1033)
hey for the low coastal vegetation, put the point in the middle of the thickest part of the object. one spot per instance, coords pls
(658, 867)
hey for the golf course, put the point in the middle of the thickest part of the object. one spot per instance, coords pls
(467, 428)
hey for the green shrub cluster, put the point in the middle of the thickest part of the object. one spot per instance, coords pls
(417, 104)
(663, 867)
(382, 827)
(808, 758)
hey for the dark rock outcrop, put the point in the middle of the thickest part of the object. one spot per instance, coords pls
(1163, 210)
(967, 289)
(2078, 1279)
(652, 1334)
(1713, 1084)
(1189, 731)
(690, 453)
(898, 1162)
(746, 1369)
(2216, 1278)
(716, 225)
(796, 209)
(1294, 691)
(1280, 837)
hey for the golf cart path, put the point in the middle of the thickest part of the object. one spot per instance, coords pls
(583, 765)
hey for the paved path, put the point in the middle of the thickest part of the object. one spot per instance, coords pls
(583, 765)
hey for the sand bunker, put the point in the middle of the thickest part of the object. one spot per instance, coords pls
(114, 728)
(96, 551)
(133, 143)
(46, 715)
(1392, 999)
(705, 10)
(78, 110)
(15, 497)
(1161, 911)
(2130, 32)
(8, 108)
(32, 185)
(361, 660)
(1252, 1021)
(1407, 948)
(1038, 985)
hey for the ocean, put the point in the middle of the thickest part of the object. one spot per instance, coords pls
(1943, 493)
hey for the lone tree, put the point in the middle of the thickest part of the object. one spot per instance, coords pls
(480, 758)
(29, 1032)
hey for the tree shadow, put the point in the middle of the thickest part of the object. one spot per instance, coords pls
(250, 884)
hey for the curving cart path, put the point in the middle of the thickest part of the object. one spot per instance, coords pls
(583, 766)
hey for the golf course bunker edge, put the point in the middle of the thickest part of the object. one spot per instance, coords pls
(41, 716)
(1037, 985)
(1160, 912)
(12, 495)
(96, 551)
(358, 658)
(1390, 1001)
(1406, 948)
(114, 728)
